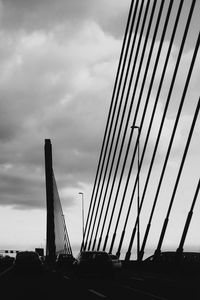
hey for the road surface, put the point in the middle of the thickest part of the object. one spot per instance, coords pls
(127, 285)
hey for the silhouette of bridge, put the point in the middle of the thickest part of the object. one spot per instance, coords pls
(129, 186)
(57, 241)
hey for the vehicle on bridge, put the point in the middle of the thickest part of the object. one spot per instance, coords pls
(95, 263)
(28, 261)
(116, 262)
(5, 262)
(64, 262)
(173, 261)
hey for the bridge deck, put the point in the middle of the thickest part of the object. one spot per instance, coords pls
(128, 284)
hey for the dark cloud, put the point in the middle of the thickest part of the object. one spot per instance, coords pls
(47, 14)
(21, 191)
(24, 188)
(51, 89)
(57, 76)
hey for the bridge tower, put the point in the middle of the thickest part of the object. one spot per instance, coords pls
(50, 233)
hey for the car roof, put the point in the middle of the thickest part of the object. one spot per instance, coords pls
(93, 251)
(174, 253)
(113, 255)
(27, 253)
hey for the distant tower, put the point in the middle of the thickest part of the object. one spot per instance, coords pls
(50, 238)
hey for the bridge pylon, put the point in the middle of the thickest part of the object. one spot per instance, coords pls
(50, 233)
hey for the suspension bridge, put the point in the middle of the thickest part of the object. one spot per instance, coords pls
(148, 108)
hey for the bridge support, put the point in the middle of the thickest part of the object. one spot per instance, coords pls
(50, 238)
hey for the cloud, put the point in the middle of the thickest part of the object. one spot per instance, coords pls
(58, 63)
(47, 14)
(20, 188)
(34, 15)
(59, 89)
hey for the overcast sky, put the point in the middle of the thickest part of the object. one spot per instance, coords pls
(58, 63)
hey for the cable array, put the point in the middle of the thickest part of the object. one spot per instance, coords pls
(146, 94)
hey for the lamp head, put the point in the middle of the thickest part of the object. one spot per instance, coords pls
(135, 127)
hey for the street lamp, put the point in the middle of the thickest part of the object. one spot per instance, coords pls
(82, 217)
(138, 197)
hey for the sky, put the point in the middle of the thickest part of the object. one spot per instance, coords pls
(58, 61)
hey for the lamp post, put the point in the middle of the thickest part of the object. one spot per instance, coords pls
(82, 217)
(138, 195)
